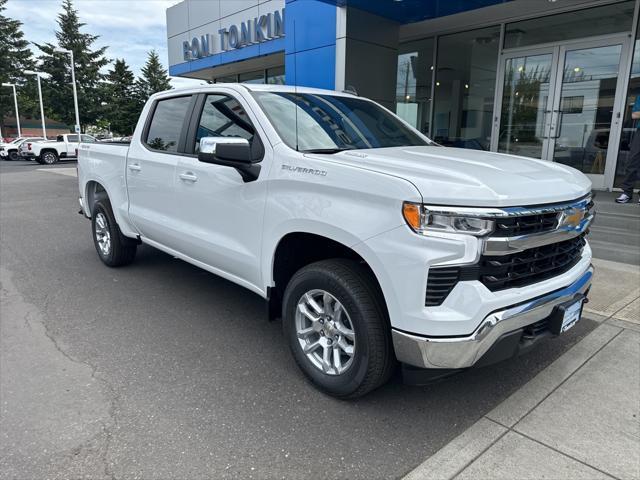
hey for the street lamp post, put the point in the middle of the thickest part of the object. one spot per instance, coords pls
(15, 102)
(75, 93)
(38, 74)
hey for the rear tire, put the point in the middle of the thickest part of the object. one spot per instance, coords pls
(49, 158)
(349, 317)
(114, 249)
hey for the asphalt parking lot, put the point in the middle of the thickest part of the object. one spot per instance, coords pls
(162, 370)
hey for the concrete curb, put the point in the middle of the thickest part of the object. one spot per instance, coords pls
(454, 457)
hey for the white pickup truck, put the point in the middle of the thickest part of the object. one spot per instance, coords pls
(51, 151)
(372, 243)
(10, 150)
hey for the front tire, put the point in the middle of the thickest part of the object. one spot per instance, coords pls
(49, 158)
(13, 156)
(337, 328)
(114, 249)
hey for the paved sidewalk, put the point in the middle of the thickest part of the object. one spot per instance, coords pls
(579, 418)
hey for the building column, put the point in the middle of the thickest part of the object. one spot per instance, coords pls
(310, 43)
(368, 45)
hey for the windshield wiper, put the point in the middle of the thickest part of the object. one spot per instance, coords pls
(327, 150)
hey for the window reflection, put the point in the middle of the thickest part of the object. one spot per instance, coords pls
(464, 88)
(413, 83)
(629, 126)
(525, 105)
(586, 107)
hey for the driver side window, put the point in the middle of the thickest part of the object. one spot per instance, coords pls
(223, 116)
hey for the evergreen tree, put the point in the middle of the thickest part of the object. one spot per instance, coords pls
(154, 78)
(88, 62)
(15, 57)
(122, 108)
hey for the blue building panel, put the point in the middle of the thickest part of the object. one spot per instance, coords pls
(312, 68)
(227, 57)
(310, 43)
(309, 24)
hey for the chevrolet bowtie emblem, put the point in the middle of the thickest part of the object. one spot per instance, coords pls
(572, 217)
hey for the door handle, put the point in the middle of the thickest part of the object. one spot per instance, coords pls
(558, 125)
(134, 167)
(188, 177)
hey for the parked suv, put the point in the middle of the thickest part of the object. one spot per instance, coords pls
(371, 242)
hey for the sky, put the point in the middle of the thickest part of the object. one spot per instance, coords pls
(129, 28)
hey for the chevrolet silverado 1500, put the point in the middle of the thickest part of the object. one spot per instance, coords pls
(51, 151)
(372, 243)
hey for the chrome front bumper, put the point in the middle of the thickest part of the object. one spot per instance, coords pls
(463, 352)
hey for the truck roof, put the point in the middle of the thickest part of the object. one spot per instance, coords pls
(252, 87)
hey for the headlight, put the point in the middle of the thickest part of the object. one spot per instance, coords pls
(421, 220)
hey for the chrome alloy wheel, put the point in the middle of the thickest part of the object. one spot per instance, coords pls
(103, 235)
(325, 332)
(49, 158)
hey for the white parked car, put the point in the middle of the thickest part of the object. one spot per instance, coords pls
(10, 150)
(51, 151)
(373, 244)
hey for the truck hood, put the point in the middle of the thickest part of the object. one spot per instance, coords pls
(456, 176)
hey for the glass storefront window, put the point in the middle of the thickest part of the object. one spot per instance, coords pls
(275, 76)
(590, 22)
(413, 83)
(465, 88)
(629, 126)
(252, 77)
(227, 79)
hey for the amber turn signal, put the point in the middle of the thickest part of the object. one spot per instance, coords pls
(411, 213)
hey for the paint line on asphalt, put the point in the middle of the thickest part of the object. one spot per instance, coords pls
(67, 171)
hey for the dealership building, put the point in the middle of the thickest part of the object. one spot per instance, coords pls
(549, 79)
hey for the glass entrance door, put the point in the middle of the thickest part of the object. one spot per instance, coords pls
(564, 104)
(526, 97)
(585, 116)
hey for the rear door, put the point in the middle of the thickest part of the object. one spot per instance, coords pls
(151, 165)
(69, 146)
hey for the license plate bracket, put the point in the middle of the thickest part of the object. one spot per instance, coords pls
(566, 315)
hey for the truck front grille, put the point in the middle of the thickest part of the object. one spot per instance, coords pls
(525, 225)
(531, 266)
(507, 271)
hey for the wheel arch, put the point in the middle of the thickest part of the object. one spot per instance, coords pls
(49, 149)
(295, 249)
(94, 191)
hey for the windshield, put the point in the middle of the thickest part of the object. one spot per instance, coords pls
(328, 123)
(17, 140)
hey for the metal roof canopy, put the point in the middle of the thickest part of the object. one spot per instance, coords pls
(410, 11)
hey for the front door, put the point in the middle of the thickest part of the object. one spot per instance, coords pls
(564, 103)
(220, 214)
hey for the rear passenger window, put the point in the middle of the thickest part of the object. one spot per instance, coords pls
(223, 116)
(166, 124)
(87, 139)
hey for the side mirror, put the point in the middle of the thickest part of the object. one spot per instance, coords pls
(229, 152)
